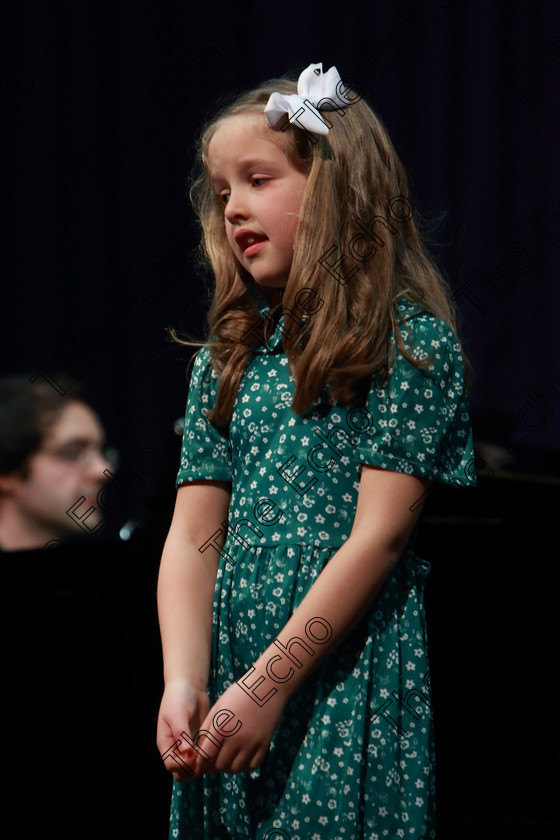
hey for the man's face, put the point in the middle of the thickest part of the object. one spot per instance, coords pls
(69, 465)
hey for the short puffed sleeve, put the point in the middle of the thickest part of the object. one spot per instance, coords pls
(205, 451)
(419, 422)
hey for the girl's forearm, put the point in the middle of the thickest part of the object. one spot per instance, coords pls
(185, 600)
(340, 597)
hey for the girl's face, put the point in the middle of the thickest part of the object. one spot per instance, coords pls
(262, 192)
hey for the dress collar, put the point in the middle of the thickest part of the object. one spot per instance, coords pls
(273, 344)
(408, 309)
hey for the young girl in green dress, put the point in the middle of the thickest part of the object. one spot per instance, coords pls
(328, 397)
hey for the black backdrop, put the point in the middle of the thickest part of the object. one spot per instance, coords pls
(100, 106)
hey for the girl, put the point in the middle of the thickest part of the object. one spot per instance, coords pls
(328, 397)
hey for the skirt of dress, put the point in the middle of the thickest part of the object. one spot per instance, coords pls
(353, 755)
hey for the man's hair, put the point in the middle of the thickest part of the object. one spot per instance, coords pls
(27, 411)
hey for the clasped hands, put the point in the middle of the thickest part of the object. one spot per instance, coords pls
(231, 737)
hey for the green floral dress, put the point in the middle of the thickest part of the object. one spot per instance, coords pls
(352, 756)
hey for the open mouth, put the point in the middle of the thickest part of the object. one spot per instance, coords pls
(254, 247)
(249, 241)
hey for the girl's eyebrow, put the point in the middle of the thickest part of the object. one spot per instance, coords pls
(250, 163)
(245, 164)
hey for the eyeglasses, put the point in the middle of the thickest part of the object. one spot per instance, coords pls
(75, 452)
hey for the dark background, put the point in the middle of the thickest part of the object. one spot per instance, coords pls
(100, 106)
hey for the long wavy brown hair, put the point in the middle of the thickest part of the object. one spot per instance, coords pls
(354, 175)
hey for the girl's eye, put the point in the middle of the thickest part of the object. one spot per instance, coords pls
(256, 182)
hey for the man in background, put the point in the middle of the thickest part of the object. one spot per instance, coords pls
(51, 456)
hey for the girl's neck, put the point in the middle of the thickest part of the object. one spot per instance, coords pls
(274, 296)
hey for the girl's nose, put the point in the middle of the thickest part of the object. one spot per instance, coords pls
(236, 207)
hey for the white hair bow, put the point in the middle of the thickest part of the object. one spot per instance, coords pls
(316, 91)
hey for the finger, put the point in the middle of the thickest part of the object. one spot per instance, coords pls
(210, 748)
(233, 761)
(206, 766)
(257, 759)
(186, 768)
(178, 761)
(182, 777)
(249, 760)
(180, 772)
